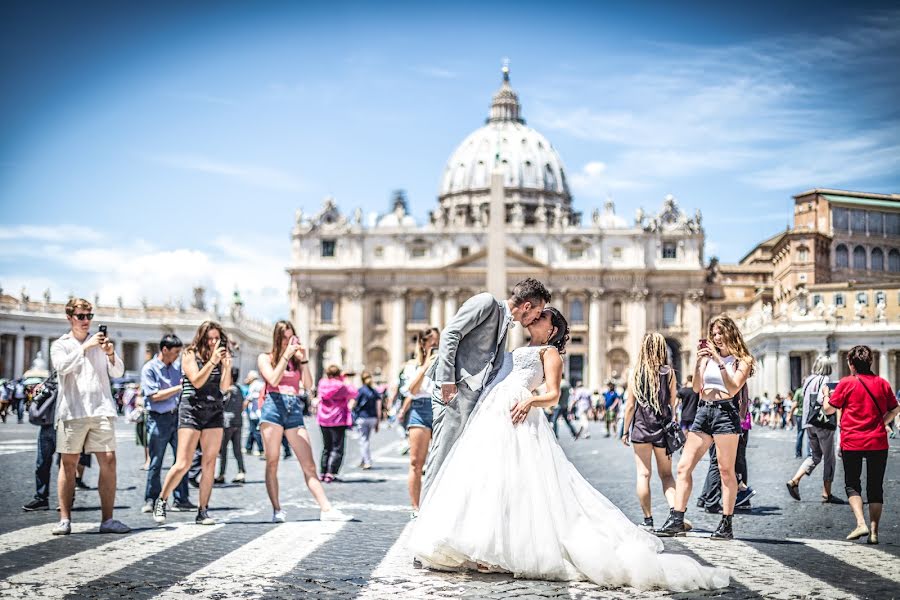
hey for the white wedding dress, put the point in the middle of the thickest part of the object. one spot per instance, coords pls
(507, 498)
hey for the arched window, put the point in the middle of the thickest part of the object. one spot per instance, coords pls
(617, 313)
(576, 311)
(419, 310)
(670, 313)
(327, 309)
(859, 258)
(549, 178)
(802, 254)
(894, 261)
(841, 257)
(877, 260)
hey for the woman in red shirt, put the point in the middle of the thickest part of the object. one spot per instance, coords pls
(867, 405)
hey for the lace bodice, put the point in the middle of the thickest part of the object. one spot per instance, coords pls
(527, 367)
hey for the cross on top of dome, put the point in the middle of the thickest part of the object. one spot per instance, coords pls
(505, 105)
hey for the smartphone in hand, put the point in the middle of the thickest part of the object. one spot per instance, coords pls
(102, 329)
(294, 341)
(704, 343)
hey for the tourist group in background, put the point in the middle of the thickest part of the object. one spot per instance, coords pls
(191, 400)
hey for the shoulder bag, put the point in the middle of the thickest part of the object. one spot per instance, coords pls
(817, 416)
(673, 436)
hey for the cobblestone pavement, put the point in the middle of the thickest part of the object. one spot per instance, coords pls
(786, 549)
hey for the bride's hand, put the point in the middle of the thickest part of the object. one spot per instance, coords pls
(625, 440)
(520, 411)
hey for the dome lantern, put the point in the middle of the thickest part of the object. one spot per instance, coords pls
(505, 104)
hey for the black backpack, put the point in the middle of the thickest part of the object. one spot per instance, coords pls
(43, 405)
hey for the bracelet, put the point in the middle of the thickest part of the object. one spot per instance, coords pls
(721, 367)
(304, 362)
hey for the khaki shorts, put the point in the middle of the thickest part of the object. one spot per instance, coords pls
(90, 434)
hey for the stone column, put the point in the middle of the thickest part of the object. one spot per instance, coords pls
(45, 349)
(302, 302)
(19, 356)
(770, 374)
(451, 304)
(596, 330)
(784, 373)
(692, 322)
(636, 321)
(496, 239)
(398, 330)
(352, 324)
(436, 310)
(883, 370)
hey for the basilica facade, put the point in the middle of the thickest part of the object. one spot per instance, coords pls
(362, 286)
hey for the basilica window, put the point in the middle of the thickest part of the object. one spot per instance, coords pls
(617, 253)
(880, 298)
(877, 259)
(669, 250)
(463, 251)
(576, 311)
(859, 258)
(839, 300)
(841, 257)
(892, 224)
(327, 311)
(862, 298)
(328, 248)
(894, 261)
(549, 178)
(803, 254)
(840, 220)
(876, 223)
(858, 222)
(670, 311)
(616, 313)
(529, 251)
(378, 312)
(379, 251)
(576, 252)
(419, 311)
(816, 299)
(418, 248)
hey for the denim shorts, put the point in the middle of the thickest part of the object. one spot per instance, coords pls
(285, 410)
(420, 413)
(717, 418)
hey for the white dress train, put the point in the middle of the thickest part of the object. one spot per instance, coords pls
(509, 499)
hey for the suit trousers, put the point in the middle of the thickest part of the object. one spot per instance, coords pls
(449, 421)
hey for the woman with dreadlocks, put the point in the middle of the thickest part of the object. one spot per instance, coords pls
(650, 405)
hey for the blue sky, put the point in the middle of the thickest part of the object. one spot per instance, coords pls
(149, 147)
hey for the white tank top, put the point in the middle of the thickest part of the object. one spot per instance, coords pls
(712, 375)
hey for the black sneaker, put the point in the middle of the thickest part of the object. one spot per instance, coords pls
(743, 496)
(723, 531)
(203, 518)
(80, 485)
(159, 511)
(37, 505)
(183, 506)
(745, 507)
(714, 509)
(673, 527)
(648, 523)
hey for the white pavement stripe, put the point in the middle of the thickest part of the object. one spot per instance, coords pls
(14, 450)
(32, 443)
(22, 538)
(395, 566)
(862, 556)
(759, 572)
(247, 571)
(64, 576)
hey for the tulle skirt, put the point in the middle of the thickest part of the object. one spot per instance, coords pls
(508, 499)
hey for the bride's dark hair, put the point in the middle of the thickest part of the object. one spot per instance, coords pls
(561, 337)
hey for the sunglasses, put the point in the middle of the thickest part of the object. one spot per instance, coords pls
(84, 316)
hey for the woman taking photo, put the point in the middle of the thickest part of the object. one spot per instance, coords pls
(334, 417)
(649, 407)
(720, 374)
(285, 371)
(418, 405)
(206, 364)
(867, 406)
(821, 432)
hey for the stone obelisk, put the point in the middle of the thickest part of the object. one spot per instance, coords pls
(496, 242)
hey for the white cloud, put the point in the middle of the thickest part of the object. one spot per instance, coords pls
(48, 233)
(138, 270)
(260, 176)
(594, 179)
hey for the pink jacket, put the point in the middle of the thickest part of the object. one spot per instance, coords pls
(334, 396)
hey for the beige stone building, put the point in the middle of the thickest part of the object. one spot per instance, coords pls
(363, 285)
(827, 283)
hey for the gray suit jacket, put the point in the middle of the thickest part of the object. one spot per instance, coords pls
(471, 341)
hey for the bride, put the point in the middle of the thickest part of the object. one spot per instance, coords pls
(508, 500)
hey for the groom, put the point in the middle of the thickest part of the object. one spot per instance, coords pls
(468, 360)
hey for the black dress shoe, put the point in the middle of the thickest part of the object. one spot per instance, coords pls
(723, 531)
(673, 527)
(80, 485)
(37, 505)
(714, 509)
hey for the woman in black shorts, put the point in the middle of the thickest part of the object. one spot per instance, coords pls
(720, 375)
(651, 404)
(206, 363)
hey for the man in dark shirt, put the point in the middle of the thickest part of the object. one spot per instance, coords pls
(562, 409)
(689, 400)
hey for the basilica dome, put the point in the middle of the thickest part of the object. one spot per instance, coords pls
(534, 176)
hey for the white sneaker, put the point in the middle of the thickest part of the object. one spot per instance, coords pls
(62, 528)
(279, 516)
(147, 507)
(114, 526)
(334, 515)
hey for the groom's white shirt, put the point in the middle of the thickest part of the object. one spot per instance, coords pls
(476, 381)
